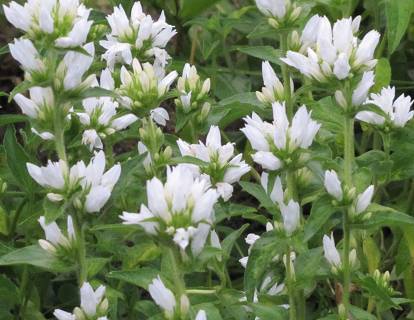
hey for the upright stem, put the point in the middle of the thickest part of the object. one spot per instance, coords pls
(290, 287)
(284, 46)
(349, 154)
(59, 134)
(80, 239)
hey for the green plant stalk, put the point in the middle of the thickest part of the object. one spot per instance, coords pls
(349, 154)
(59, 134)
(284, 46)
(80, 240)
(290, 287)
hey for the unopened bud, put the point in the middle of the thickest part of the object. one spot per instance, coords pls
(167, 152)
(273, 23)
(184, 304)
(79, 315)
(103, 307)
(340, 99)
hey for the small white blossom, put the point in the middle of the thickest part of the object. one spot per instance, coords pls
(276, 193)
(291, 216)
(360, 94)
(398, 111)
(182, 207)
(331, 253)
(162, 296)
(223, 168)
(281, 11)
(201, 315)
(273, 89)
(27, 55)
(54, 236)
(333, 185)
(364, 200)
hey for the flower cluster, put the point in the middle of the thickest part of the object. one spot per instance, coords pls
(93, 306)
(222, 168)
(276, 143)
(137, 36)
(333, 52)
(182, 208)
(332, 255)
(55, 239)
(89, 183)
(281, 13)
(273, 89)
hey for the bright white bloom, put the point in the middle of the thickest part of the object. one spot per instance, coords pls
(101, 116)
(54, 236)
(331, 253)
(65, 21)
(143, 90)
(223, 168)
(181, 208)
(273, 89)
(142, 148)
(162, 296)
(273, 141)
(364, 200)
(193, 91)
(281, 11)
(201, 315)
(62, 181)
(398, 111)
(276, 192)
(27, 55)
(73, 67)
(333, 52)
(291, 216)
(94, 305)
(360, 94)
(333, 185)
(251, 240)
(138, 33)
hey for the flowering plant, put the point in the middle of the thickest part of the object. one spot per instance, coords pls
(215, 160)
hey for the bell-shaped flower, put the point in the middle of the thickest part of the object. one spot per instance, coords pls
(138, 33)
(276, 193)
(182, 208)
(27, 55)
(360, 94)
(40, 108)
(331, 253)
(364, 200)
(143, 90)
(273, 89)
(193, 91)
(201, 315)
(291, 216)
(333, 52)
(64, 22)
(333, 185)
(275, 143)
(396, 112)
(222, 167)
(251, 239)
(279, 12)
(162, 296)
(93, 305)
(55, 239)
(101, 116)
(71, 70)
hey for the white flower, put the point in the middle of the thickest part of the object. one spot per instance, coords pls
(333, 185)
(27, 55)
(39, 106)
(276, 193)
(280, 10)
(360, 93)
(223, 168)
(331, 253)
(201, 315)
(273, 89)
(94, 305)
(291, 216)
(160, 116)
(364, 200)
(333, 52)
(54, 236)
(183, 199)
(281, 135)
(142, 148)
(398, 111)
(140, 33)
(162, 296)
(38, 17)
(74, 66)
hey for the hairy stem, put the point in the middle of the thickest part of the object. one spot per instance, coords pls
(80, 239)
(290, 287)
(284, 46)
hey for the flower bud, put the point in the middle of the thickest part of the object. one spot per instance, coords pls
(184, 304)
(340, 99)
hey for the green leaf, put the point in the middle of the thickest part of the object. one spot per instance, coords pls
(98, 92)
(141, 277)
(322, 210)
(385, 216)
(4, 49)
(266, 53)
(6, 119)
(189, 159)
(34, 256)
(398, 15)
(53, 210)
(95, 265)
(269, 312)
(16, 161)
(191, 8)
(228, 243)
(382, 74)
(376, 291)
(361, 314)
(259, 193)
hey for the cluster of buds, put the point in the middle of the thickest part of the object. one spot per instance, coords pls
(280, 13)
(281, 143)
(93, 306)
(333, 257)
(143, 89)
(61, 23)
(383, 281)
(182, 209)
(345, 196)
(173, 307)
(273, 89)
(137, 36)
(221, 168)
(92, 186)
(193, 92)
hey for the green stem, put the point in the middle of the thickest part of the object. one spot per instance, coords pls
(290, 287)
(16, 218)
(80, 239)
(284, 46)
(349, 154)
